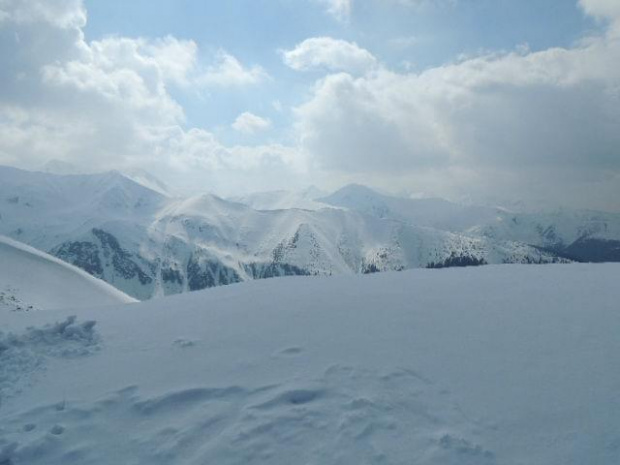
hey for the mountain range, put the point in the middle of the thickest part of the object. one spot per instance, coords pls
(127, 229)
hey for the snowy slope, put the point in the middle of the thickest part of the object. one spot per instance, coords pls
(506, 365)
(30, 279)
(146, 179)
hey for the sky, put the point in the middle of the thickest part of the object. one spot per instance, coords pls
(481, 101)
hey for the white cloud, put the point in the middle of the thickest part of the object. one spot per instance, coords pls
(602, 8)
(228, 71)
(339, 9)
(65, 14)
(105, 104)
(541, 124)
(249, 123)
(330, 54)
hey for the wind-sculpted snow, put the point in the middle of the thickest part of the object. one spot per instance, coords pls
(337, 418)
(492, 365)
(24, 355)
(33, 280)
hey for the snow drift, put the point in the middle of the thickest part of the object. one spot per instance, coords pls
(30, 279)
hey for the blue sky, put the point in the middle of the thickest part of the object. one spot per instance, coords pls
(511, 102)
(256, 30)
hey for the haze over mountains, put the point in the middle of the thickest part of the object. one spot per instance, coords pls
(129, 231)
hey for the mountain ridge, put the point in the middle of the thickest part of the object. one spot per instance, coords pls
(147, 244)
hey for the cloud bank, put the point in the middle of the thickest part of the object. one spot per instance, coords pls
(107, 103)
(543, 126)
(539, 126)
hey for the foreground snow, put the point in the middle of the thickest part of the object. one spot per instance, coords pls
(30, 279)
(492, 365)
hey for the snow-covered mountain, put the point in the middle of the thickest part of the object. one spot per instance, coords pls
(149, 244)
(146, 179)
(33, 280)
(498, 365)
(577, 235)
(139, 176)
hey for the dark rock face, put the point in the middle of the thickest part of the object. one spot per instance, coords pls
(82, 254)
(104, 258)
(169, 275)
(458, 261)
(122, 261)
(548, 257)
(370, 268)
(592, 250)
(204, 274)
(273, 270)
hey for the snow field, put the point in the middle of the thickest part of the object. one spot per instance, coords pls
(493, 365)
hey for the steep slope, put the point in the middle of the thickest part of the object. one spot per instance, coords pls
(502, 365)
(30, 279)
(146, 179)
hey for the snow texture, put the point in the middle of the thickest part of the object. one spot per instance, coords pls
(492, 365)
(30, 279)
(22, 355)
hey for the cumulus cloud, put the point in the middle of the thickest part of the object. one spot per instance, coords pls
(106, 104)
(602, 8)
(329, 54)
(339, 9)
(228, 71)
(61, 13)
(249, 123)
(540, 124)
